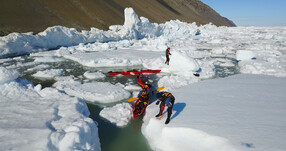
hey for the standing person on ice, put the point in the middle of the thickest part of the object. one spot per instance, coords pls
(167, 56)
(167, 99)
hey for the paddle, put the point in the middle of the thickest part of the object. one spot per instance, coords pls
(132, 99)
(161, 88)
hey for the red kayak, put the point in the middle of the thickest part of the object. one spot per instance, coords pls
(142, 82)
(132, 72)
(139, 108)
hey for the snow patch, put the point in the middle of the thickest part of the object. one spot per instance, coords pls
(7, 75)
(245, 55)
(48, 59)
(120, 114)
(102, 92)
(181, 64)
(133, 88)
(166, 138)
(94, 75)
(50, 73)
(57, 121)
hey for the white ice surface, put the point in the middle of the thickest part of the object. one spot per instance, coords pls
(245, 55)
(102, 92)
(94, 75)
(242, 112)
(48, 59)
(133, 88)
(120, 114)
(35, 119)
(120, 57)
(40, 67)
(50, 73)
(7, 75)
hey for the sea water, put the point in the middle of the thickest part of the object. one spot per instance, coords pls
(113, 138)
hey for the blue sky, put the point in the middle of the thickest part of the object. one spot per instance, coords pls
(251, 12)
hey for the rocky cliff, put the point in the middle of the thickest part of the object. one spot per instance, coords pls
(36, 15)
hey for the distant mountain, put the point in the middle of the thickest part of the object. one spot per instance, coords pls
(36, 15)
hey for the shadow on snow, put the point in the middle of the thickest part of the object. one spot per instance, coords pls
(178, 107)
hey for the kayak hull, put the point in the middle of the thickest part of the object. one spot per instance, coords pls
(136, 113)
(133, 72)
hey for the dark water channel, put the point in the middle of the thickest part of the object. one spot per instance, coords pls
(113, 138)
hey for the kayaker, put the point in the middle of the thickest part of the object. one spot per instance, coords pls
(143, 97)
(140, 80)
(166, 99)
(143, 81)
(167, 56)
(144, 94)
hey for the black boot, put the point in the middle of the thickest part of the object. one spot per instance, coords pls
(167, 121)
(157, 115)
(169, 115)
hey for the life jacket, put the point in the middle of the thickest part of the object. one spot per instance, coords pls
(167, 52)
(168, 94)
(145, 94)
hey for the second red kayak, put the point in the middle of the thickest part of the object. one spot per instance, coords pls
(132, 72)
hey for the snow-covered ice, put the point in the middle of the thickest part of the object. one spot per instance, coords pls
(245, 55)
(120, 114)
(7, 75)
(102, 92)
(34, 119)
(39, 67)
(242, 112)
(133, 88)
(49, 73)
(94, 75)
(48, 59)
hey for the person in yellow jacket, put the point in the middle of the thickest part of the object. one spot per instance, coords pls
(143, 96)
(167, 99)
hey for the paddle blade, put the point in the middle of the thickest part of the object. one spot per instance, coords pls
(161, 88)
(131, 99)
